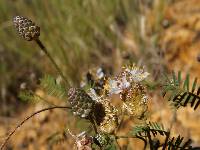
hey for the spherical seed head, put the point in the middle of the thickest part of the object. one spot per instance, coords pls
(26, 28)
(81, 103)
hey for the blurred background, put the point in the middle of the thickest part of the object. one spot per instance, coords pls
(162, 35)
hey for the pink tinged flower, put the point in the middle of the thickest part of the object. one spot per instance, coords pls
(100, 73)
(138, 75)
(117, 86)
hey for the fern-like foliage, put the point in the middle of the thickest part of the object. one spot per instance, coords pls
(31, 97)
(179, 144)
(28, 96)
(52, 87)
(57, 138)
(156, 128)
(180, 92)
(152, 127)
(139, 130)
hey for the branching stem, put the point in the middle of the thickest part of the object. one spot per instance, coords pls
(26, 119)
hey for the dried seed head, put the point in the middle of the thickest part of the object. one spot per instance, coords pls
(81, 103)
(26, 28)
(106, 116)
(134, 101)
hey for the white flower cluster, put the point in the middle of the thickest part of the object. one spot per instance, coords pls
(100, 74)
(128, 76)
(117, 86)
(136, 74)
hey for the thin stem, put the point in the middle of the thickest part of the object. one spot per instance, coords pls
(168, 132)
(93, 124)
(121, 122)
(42, 99)
(123, 137)
(43, 48)
(119, 147)
(166, 140)
(26, 119)
(145, 142)
(47, 102)
(173, 120)
(150, 140)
